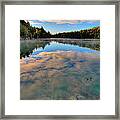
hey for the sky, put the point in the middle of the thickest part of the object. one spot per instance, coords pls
(56, 26)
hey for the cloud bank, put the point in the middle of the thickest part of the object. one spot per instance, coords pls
(62, 21)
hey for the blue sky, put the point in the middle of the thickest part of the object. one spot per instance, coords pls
(56, 26)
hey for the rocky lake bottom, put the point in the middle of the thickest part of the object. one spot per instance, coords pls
(60, 75)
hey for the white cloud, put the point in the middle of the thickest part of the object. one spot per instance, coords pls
(63, 21)
(34, 22)
(89, 21)
(38, 22)
(71, 21)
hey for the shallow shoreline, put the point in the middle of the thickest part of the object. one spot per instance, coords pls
(61, 75)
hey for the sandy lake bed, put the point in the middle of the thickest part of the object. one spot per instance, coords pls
(60, 75)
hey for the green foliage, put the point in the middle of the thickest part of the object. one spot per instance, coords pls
(23, 31)
(93, 33)
(29, 32)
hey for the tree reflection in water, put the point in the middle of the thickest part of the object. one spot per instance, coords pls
(27, 47)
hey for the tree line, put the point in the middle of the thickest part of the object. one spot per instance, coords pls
(29, 32)
(93, 33)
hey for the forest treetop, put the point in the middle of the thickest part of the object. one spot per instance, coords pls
(29, 32)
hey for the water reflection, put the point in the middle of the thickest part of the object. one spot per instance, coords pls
(35, 47)
(60, 70)
(62, 75)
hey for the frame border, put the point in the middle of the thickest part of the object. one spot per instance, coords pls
(2, 60)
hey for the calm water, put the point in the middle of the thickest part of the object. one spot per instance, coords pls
(71, 72)
(35, 47)
(56, 46)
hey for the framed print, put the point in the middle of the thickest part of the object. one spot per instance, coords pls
(60, 60)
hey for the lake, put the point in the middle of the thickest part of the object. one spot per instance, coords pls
(27, 47)
(57, 70)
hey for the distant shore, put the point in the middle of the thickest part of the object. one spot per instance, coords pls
(59, 39)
